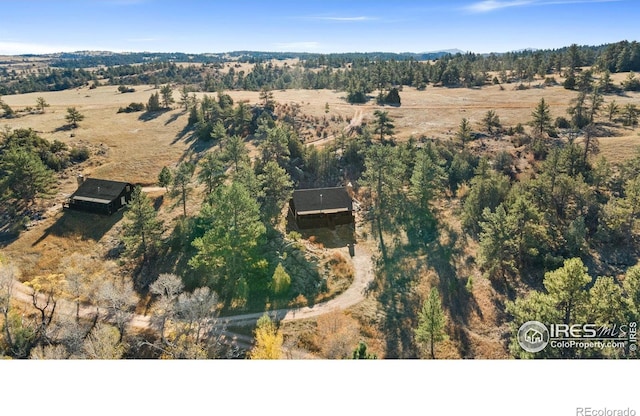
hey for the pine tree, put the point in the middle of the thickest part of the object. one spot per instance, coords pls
(185, 100)
(496, 254)
(165, 177)
(181, 187)
(566, 289)
(384, 176)
(431, 322)
(24, 175)
(631, 286)
(491, 122)
(212, 171)
(360, 353)
(227, 252)
(154, 103)
(541, 116)
(383, 125)
(464, 131)
(167, 96)
(612, 110)
(277, 187)
(235, 151)
(73, 117)
(142, 228)
(41, 104)
(218, 132)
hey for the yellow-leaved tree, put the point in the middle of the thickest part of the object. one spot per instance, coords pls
(269, 340)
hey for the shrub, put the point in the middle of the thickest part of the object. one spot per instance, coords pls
(79, 154)
(562, 123)
(55, 161)
(124, 89)
(280, 281)
(631, 83)
(132, 108)
(393, 97)
(58, 146)
(570, 82)
(356, 97)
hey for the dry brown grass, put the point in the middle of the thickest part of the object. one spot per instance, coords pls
(619, 149)
(125, 147)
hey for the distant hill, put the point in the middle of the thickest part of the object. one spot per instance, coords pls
(349, 72)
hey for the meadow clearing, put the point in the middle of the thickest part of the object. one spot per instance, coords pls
(134, 147)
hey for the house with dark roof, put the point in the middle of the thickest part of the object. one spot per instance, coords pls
(321, 207)
(99, 196)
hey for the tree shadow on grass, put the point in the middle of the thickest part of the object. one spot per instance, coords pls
(66, 127)
(183, 133)
(460, 302)
(174, 117)
(400, 304)
(151, 115)
(86, 225)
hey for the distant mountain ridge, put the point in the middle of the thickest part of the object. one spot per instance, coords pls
(314, 70)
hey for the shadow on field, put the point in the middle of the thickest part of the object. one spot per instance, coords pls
(396, 283)
(173, 118)
(182, 134)
(400, 304)
(81, 224)
(336, 237)
(151, 115)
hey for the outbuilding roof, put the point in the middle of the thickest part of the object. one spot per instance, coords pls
(322, 201)
(99, 190)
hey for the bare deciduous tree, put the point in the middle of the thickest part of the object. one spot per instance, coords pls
(119, 299)
(167, 288)
(337, 334)
(8, 275)
(196, 311)
(103, 343)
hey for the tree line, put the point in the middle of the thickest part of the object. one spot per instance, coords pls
(361, 73)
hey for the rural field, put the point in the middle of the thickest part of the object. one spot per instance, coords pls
(134, 147)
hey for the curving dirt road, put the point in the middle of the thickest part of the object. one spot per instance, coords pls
(363, 267)
(363, 276)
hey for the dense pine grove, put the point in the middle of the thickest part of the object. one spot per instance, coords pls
(352, 72)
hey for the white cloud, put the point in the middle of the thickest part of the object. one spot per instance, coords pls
(491, 5)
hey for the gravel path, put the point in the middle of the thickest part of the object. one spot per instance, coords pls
(363, 266)
(362, 263)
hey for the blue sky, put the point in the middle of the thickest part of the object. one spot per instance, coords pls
(42, 26)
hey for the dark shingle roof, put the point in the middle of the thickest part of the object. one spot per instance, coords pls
(99, 190)
(322, 200)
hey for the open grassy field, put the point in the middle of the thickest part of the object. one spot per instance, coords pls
(134, 147)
